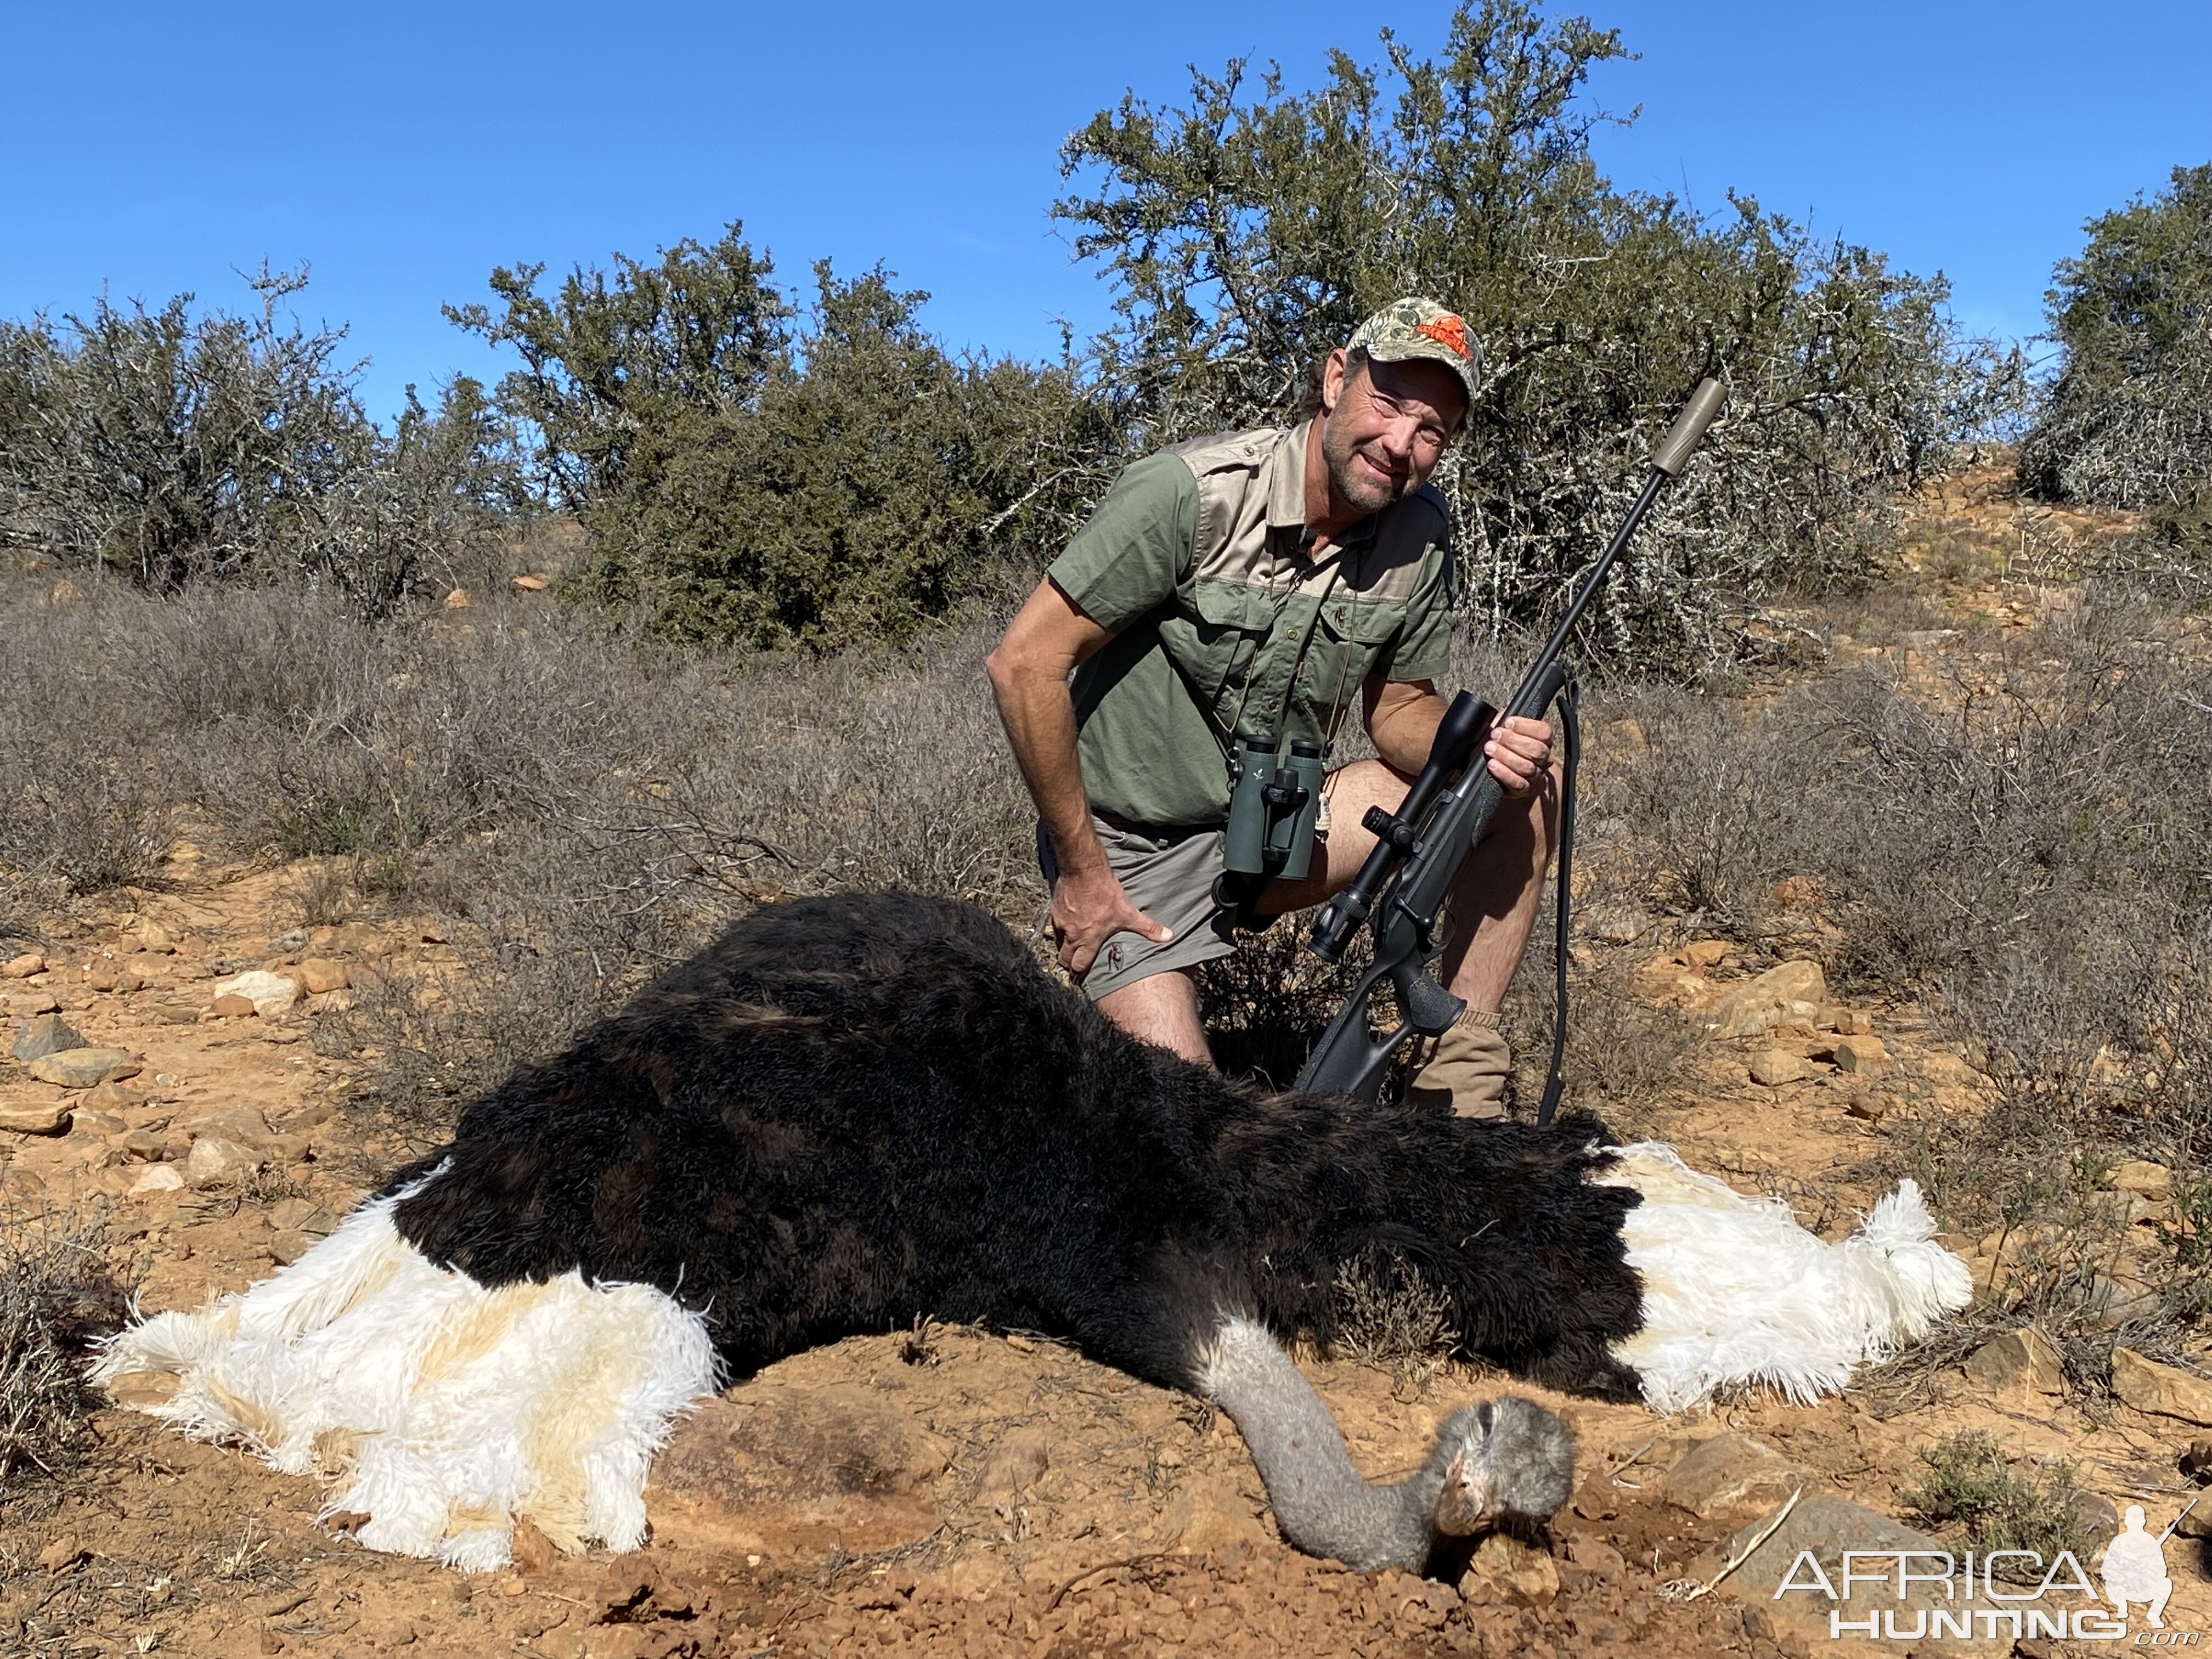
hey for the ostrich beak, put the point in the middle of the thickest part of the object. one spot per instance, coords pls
(1464, 1505)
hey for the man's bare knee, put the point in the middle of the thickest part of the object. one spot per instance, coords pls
(1162, 1009)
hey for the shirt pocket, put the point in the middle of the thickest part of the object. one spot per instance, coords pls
(1352, 636)
(1218, 633)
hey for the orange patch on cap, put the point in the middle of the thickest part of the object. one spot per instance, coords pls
(1446, 331)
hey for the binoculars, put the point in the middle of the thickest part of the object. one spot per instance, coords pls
(1274, 804)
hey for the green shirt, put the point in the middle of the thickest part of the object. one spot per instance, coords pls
(1198, 563)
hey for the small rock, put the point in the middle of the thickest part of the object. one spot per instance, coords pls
(214, 1160)
(228, 1006)
(271, 995)
(1016, 1466)
(458, 599)
(301, 1215)
(289, 1244)
(239, 1123)
(43, 1034)
(1594, 1555)
(2164, 1389)
(27, 1003)
(62, 1554)
(152, 936)
(528, 584)
(88, 1121)
(1861, 1103)
(49, 1118)
(103, 980)
(24, 966)
(114, 1097)
(1207, 1515)
(84, 1068)
(1705, 952)
(2151, 1181)
(1860, 1055)
(1776, 1066)
(2018, 1361)
(1729, 1472)
(1506, 1570)
(1614, 927)
(320, 973)
(1754, 1005)
(2113, 1303)
(157, 1178)
(138, 1146)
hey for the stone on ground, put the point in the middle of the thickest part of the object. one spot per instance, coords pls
(24, 966)
(2019, 1361)
(2147, 1179)
(1506, 1571)
(42, 1034)
(320, 973)
(1758, 1005)
(157, 1178)
(271, 995)
(214, 1160)
(1776, 1066)
(2166, 1390)
(43, 1118)
(1728, 1473)
(85, 1068)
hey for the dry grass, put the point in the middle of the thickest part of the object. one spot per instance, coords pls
(55, 1295)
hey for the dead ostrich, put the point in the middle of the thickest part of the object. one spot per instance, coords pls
(849, 1112)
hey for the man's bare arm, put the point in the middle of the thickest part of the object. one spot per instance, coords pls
(1402, 716)
(1029, 668)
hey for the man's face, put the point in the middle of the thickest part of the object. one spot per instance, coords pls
(1385, 426)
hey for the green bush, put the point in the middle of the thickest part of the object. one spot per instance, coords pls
(168, 447)
(1247, 232)
(2128, 420)
(747, 481)
(1969, 1489)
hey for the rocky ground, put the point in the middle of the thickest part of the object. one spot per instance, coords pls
(955, 1491)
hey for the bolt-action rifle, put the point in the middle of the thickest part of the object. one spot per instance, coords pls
(1401, 890)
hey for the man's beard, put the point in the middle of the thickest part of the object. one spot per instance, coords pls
(1353, 482)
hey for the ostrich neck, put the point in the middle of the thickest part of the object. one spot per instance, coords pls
(1320, 1503)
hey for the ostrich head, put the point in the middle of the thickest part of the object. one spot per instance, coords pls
(1509, 1460)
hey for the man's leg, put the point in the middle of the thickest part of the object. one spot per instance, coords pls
(1491, 909)
(1162, 1009)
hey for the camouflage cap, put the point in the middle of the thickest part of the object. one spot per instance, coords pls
(1415, 327)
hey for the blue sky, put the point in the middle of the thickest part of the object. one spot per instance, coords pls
(404, 149)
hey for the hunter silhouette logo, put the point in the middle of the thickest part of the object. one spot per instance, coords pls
(2135, 1567)
(1961, 1597)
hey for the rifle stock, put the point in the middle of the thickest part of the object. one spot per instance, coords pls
(1401, 890)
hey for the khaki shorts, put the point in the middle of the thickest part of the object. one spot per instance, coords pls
(1169, 876)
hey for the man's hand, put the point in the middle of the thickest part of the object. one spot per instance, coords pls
(1087, 911)
(1519, 750)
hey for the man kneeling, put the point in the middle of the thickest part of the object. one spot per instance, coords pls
(1256, 582)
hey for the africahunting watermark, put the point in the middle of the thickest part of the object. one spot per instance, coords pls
(1987, 1596)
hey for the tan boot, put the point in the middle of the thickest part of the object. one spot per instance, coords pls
(1465, 1073)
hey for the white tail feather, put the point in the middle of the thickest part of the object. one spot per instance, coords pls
(1736, 1292)
(440, 1409)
